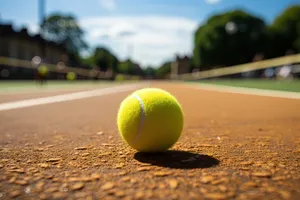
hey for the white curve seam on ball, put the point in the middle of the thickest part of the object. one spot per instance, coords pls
(142, 106)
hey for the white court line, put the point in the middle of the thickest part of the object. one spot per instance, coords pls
(248, 91)
(68, 97)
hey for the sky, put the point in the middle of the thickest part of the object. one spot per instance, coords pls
(149, 32)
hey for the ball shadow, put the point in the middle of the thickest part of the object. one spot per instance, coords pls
(177, 159)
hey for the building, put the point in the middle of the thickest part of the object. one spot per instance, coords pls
(180, 66)
(22, 45)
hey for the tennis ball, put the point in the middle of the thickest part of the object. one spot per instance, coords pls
(150, 120)
(71, 76)
(120, 77)
(43, 70)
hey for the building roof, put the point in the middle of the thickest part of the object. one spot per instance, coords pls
(8, 30)
(182, 58)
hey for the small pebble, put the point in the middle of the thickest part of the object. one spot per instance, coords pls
(53, 159)
(206, 179)
(143, 169)
(99, 133)
(284, 194)
(15, 194)
(173, 183)
(81, 148)
(108, 186)
(262, 174)
(21, 182)
(162, 173)
(218, 196)
(77, 186)
(59, 195)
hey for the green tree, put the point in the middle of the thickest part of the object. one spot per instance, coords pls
(228, 38)
(149, 71)
(64, 29)
(89, 61)
(104, 59)
(164, 70)
(127, 67)
(285, 31)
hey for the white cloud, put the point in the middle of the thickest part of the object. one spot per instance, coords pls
(33, 28)
(154, 39)
(108, 4)
(212, 1)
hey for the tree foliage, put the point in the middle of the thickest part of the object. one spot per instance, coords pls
(129, 67)
(150, 71)
(229, 38)
(64, 29)
(104, 59)
(236, 37)
(286, 31)
(126, 67)
(164, 70)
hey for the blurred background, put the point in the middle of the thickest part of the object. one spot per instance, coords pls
(132, 39)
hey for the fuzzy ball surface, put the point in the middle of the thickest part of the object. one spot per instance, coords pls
(150, 120)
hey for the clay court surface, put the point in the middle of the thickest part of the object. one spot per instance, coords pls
(233, 146)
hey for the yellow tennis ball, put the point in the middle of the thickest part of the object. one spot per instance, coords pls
(150, 120)
(71, 76)
(43, 70)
